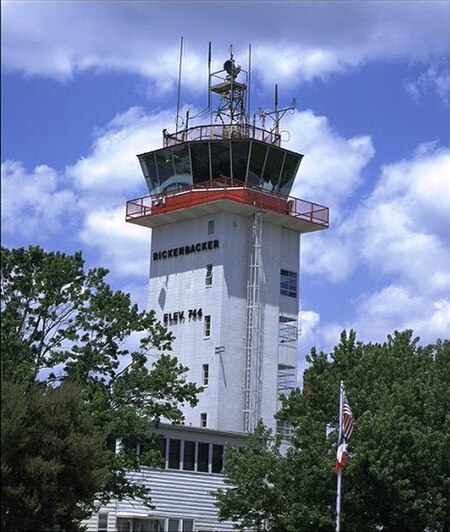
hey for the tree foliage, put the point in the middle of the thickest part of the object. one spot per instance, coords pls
(398, 471)
(51, 457)
(254, 476)
(62, 324)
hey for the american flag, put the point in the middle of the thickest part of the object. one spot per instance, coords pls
(346, 434)
(347, 420)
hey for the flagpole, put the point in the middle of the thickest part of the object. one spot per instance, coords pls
(339, 473)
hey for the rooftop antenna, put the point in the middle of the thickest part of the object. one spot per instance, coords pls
(249, 79)
(177, 118)
(276, 115)
(209, 78)
(208, 107)
(232, 93)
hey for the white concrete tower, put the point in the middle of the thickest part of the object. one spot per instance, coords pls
(224, 272)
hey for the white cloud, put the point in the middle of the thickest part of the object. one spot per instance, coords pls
(315, 333)
(399, 307)
(124, 247)
(293, 63)
(309, 321)
(400, 234)
(330, 174)
(403, 230)
(88, 197)
(34, 201)
(436, 78)
(332, 162)
(112, 167)
(404, 224)
(61, 39)
(329, 255)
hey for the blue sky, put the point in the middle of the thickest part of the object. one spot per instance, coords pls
(88, 85)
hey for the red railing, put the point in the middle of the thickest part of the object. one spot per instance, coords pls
(225, 188)
(220, 132)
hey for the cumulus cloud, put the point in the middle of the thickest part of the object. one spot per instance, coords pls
(404, 224)
(124, 246)
(112, 167)
(294, 63)
(404, 233)
(42, 204)
(401, 235)
(334, 164)
(35, 200)
(402, 307)
(87, 200)
(435, 78)
(60, 40)
(315, 333)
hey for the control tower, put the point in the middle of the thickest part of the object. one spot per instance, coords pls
(224, 263)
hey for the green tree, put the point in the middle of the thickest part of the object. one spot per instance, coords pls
(63, 324)
(398, 471)
(254, 475)
(51, 457)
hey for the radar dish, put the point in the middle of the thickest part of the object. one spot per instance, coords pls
(231, 67)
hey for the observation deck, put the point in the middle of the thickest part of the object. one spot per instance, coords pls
(230, 195)
(228, 165)
(221, 132)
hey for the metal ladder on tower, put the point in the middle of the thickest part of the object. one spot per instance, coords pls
(253, 338)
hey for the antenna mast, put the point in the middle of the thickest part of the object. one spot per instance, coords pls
(249, 79)
(232, 93)
(276, 115)
(177, 118)
(209, 78)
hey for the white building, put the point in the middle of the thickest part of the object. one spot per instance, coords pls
(224, 277)
(181, 492)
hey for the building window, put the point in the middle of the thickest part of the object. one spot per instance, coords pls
(288, 283)
(154, 444)
(197, 456)
(217, 458)
(205, 374)
(203, 457)
(189, 456)
(180, 525)
(286, 379)
(111, 444)
(207, 327)
(188, 525)
(203, 419)
(287, 330)
(210, 227)
(173, 525)
(124, 525)
(285, 429)
(102, 522)
(128, 524)
(208, 277)
(162, 448)
(174, 454)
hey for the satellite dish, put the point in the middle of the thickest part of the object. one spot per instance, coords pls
(231, 67)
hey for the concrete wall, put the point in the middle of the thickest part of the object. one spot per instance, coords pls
(177, 284)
